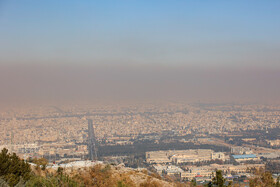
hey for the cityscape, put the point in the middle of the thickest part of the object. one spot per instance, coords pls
(147, 93)
(185, 141)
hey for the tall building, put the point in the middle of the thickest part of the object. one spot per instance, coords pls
(92, 148)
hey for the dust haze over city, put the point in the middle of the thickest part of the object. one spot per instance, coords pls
(179, 93)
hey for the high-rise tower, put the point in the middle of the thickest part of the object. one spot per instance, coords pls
(92, 149)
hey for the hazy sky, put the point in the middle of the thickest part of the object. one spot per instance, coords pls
(211, 50)
(214, 33)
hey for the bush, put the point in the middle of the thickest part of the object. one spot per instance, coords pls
(50, 181)
(41, 163)
(12, 168)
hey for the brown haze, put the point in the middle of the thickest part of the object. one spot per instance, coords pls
(89, 83)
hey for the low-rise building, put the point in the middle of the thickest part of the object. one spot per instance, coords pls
(242, 158)
(218, 155)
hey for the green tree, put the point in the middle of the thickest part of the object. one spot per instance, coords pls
(267, 179)
(277, 182)
(12, 168)
(121, 184)
(41, 163)
(59, 170)
(193, 182)
(51, 181)
(219, 179)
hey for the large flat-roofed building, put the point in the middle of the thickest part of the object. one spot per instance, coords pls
(158, 156)
(209, 170)
(183, 156)
(192, 155)
(241, 158)
(197, 171)
(168, 170)
(218, 155)
(273, 142)
(173, 170)
(269, 155)
(237, 150)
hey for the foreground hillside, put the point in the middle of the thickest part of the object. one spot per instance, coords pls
(108, 175)
(16, 172)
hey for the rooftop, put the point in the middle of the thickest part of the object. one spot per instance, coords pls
(244, 156)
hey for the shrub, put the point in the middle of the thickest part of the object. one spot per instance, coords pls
(12, 168)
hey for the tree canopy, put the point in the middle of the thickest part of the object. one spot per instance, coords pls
(13, 169)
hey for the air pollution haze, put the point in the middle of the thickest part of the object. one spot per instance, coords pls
(184, 50)
(74, 83)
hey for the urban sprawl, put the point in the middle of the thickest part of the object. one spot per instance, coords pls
(183, 141)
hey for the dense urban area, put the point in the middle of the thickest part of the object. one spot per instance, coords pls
(185, 142)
